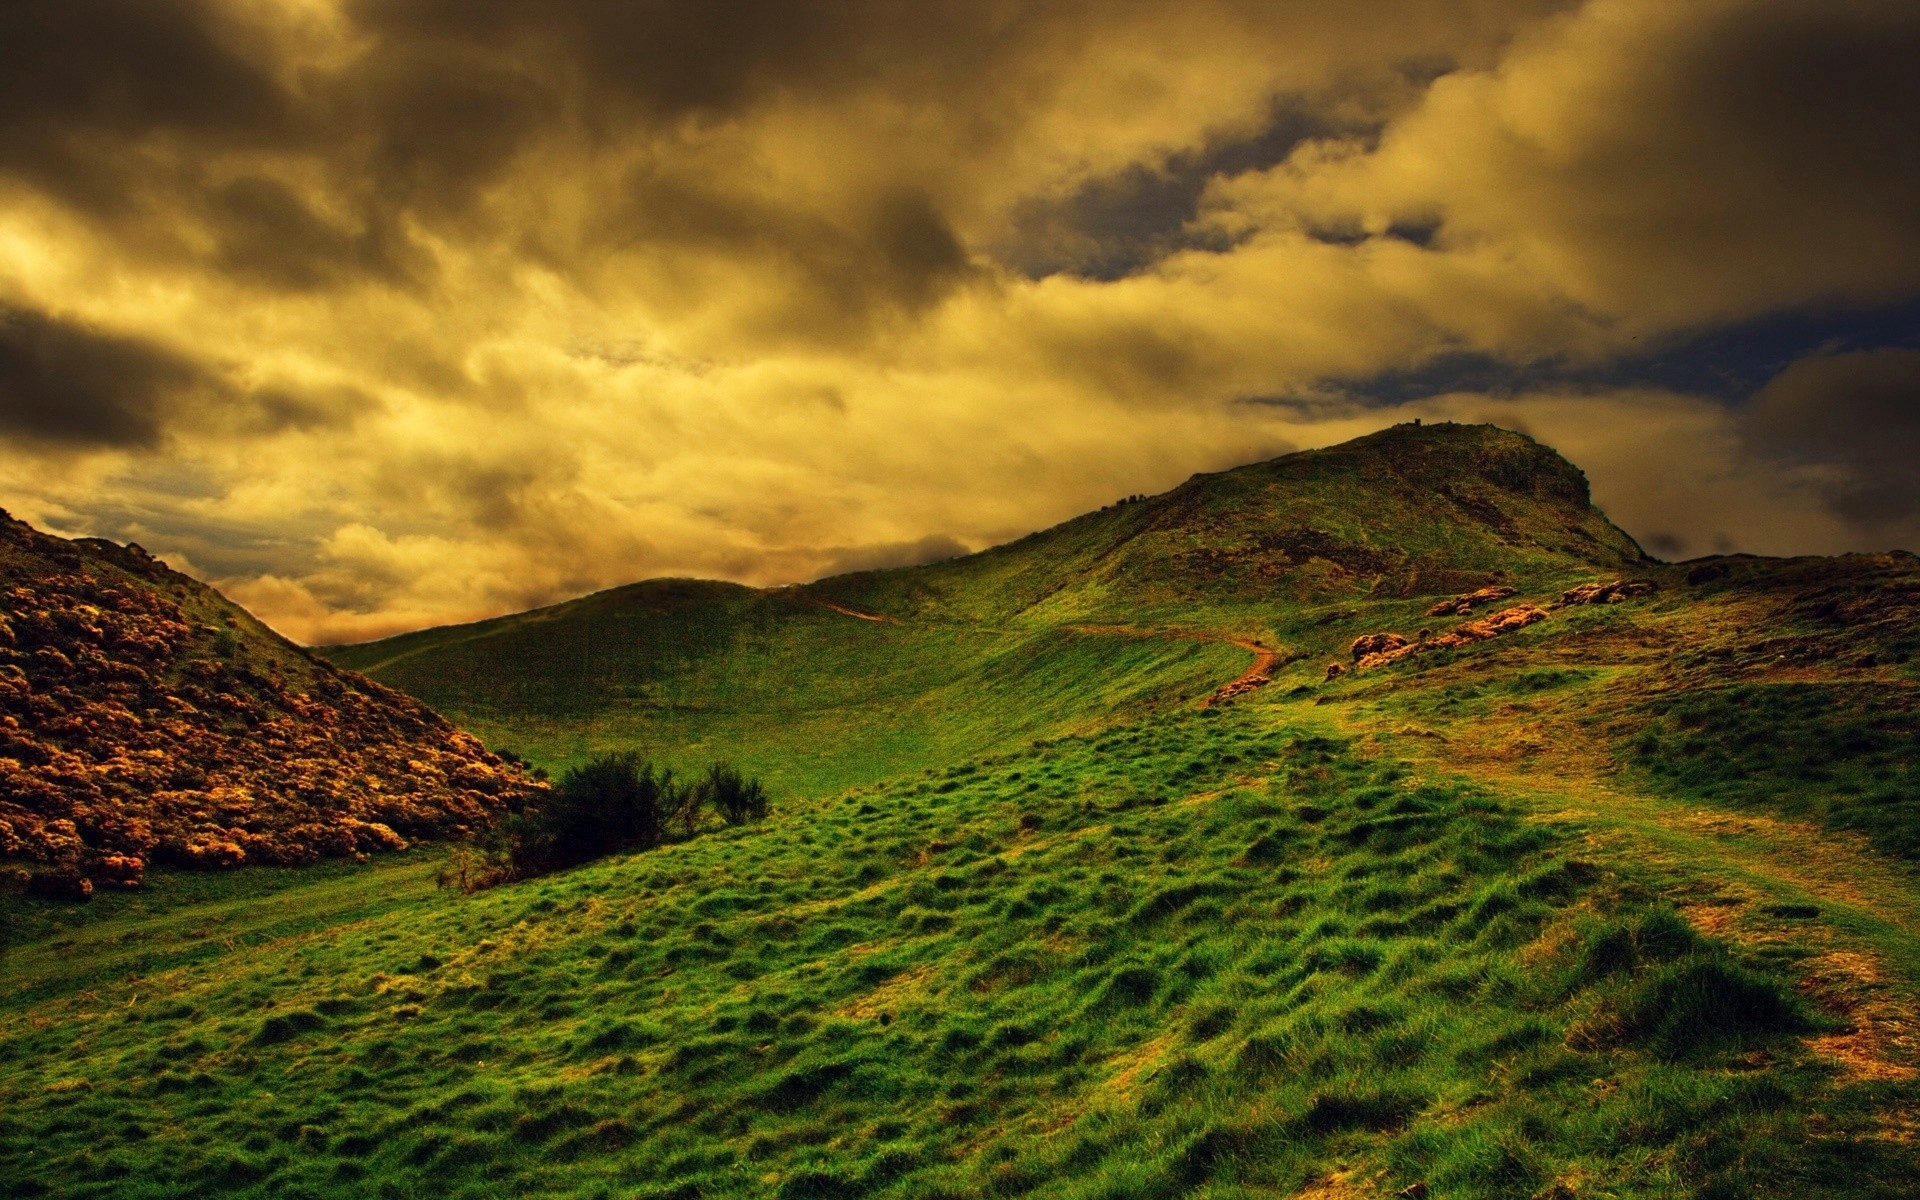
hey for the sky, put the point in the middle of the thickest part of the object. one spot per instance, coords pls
(387, 313)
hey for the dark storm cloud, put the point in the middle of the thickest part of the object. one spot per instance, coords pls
(1819, 99)
(670, 58)
(266, 232)
(64, 383)
(82, 79)
(278, 410)
(1857, 414)
(443, 120)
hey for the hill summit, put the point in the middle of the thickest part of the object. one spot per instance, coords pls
(1410, 510)
(143, 717)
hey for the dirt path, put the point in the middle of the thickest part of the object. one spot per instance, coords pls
(1259, 675)
(855, 613)
(1748, 877)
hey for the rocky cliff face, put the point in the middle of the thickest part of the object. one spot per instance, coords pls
(144, 718)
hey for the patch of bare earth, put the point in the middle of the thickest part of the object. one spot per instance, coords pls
(1133, 1065)
(1882, 1040)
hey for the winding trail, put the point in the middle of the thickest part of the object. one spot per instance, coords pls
(854, 613)
(1259, 675)
(1256, 676)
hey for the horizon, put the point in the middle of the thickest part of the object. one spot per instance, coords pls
(380, 316)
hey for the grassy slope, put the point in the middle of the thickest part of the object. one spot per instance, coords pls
(1221, 955)
(995, 647)
(1333, 939)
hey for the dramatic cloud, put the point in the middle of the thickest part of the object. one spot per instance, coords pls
(63, 382)
(1858, 417)
(385, 312)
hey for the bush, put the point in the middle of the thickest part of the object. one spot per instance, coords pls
(1704, 1003)
(736, 798)
(616, 802)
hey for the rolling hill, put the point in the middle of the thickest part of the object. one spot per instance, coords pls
(1125, 610)
(1583, 875)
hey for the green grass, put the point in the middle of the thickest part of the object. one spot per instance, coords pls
(1210, 954)
(1839, 755)
(819, 702)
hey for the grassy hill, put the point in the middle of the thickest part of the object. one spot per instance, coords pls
(1602, 899)
(1119, 612)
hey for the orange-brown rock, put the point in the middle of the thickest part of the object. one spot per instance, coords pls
(1368, 644)
(144, 719)
(1335, 670)
(1505, 621)
(1607, 593)
(1463, 604)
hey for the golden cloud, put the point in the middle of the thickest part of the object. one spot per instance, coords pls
(391, 313)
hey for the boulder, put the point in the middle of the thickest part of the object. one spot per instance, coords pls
(1465, 603)
(1505, 621)
(1375, 643)
(1392, 647)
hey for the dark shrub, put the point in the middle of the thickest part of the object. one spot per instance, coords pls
(616, 802)
(63, 883)
(286, 1026)
(736, 798)
(1360, 1108)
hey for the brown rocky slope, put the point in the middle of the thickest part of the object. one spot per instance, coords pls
(144, 718)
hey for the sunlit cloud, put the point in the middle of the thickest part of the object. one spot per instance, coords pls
(388, 314)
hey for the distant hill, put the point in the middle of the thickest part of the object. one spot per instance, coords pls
(143, 717)
(1115, 612)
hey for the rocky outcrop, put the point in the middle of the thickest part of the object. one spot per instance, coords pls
(1607, 593)
(1368, 645)
(1505, 621)
(1461, 605)
(143, 719)
(1395, 647)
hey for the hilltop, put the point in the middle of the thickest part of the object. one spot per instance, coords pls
(1413, 510)
(146, 719)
